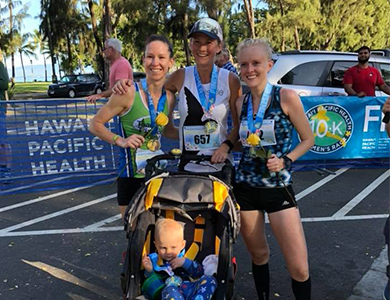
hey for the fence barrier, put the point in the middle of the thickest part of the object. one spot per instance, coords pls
(47, 145)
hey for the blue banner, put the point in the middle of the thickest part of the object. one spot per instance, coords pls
(346, 128)
(47, 140)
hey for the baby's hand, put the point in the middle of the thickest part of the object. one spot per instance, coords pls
(147, 263)
(177, 262)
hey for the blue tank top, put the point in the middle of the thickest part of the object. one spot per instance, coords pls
(253, 171)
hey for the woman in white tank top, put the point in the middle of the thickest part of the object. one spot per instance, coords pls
(206, 95)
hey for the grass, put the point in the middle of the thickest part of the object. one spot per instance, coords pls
(31, 87)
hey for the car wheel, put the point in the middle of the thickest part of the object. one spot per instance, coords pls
(98, 90)
(71, 93)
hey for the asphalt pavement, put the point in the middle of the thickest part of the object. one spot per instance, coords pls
(68, 244)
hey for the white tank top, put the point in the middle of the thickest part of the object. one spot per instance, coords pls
(190, 109)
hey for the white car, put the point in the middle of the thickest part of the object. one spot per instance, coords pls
(320, 73)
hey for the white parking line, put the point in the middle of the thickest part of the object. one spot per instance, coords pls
(345, 218)
(33, 184)
(56, 214)
(39, 199)
(60, 231)
(121, 228)
(319, 184)
(103, 222)
(363, 194)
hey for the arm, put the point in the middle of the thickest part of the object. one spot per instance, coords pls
(351, 92)
(193, 269)
(385, 88)
(170, 131)
(221, 153)
(115, 106)
(3, 78)
(386, 109)
(175, 82)
(292, 107)
(104, 94)
(147, 263)
(348, 81)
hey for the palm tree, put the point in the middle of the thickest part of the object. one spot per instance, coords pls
(26, 47)
(40, 43)
(14, 25)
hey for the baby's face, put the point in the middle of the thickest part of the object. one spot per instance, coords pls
(169, 245)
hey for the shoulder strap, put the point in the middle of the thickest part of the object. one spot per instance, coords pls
(244, 107)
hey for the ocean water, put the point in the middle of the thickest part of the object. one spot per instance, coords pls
(37, 72)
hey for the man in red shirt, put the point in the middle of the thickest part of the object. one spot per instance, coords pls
(120, 67)
(360, 80)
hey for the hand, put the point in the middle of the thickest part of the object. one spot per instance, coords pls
(275, 164)
(220, 155)
(361, 94)
(386, 106)
(147, 263)
(93, 98)
(121, 86)
(177, 262)
(134, 141)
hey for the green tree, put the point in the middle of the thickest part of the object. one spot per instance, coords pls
(25, 47)
(43, 47)
(13, 23)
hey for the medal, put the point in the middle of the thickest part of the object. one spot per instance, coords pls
(210, 126)
(207, 105)
(254, 124)
(153, 145)
(160, 105)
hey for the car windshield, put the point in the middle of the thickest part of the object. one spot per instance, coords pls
(68, 79)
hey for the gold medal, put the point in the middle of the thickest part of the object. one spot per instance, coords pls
(210, 126)
(153, 145)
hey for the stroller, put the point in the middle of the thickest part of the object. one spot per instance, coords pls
(203, 202)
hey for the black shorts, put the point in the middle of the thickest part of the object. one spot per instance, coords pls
(265, 199)
(126, 189)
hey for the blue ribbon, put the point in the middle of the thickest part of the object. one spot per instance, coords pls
(166, 266)
(160, 105)
(253, 125)
(206, 104)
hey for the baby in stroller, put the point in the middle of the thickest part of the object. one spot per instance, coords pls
(172, 277)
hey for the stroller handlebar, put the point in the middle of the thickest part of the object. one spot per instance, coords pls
(227, 170)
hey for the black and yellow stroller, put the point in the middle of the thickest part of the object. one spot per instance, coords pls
(203, 202)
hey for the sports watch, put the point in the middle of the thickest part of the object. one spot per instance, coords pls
(287, 162)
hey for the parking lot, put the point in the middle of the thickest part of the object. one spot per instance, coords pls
(68, 244)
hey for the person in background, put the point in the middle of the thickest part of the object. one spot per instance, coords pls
(5, 148)
(361, 80)
(268, 116)
(120, 68)
(222, 60)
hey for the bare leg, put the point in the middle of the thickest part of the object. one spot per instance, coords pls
(253, 232)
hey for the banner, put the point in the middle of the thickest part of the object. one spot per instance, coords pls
(346, 128)
(51, 139)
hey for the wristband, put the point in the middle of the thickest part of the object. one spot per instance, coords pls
(229, 144)
(114, 138)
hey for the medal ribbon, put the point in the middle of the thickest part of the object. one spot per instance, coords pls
(166, 266)
(256, 124)
(213, 90)
(160, 104)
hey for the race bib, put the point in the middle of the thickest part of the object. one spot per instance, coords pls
(142, 155)
(196, 139)
(266, 133)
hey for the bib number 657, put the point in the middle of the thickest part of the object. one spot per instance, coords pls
(202, 139)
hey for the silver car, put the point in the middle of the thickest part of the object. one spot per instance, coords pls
(320, 73)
